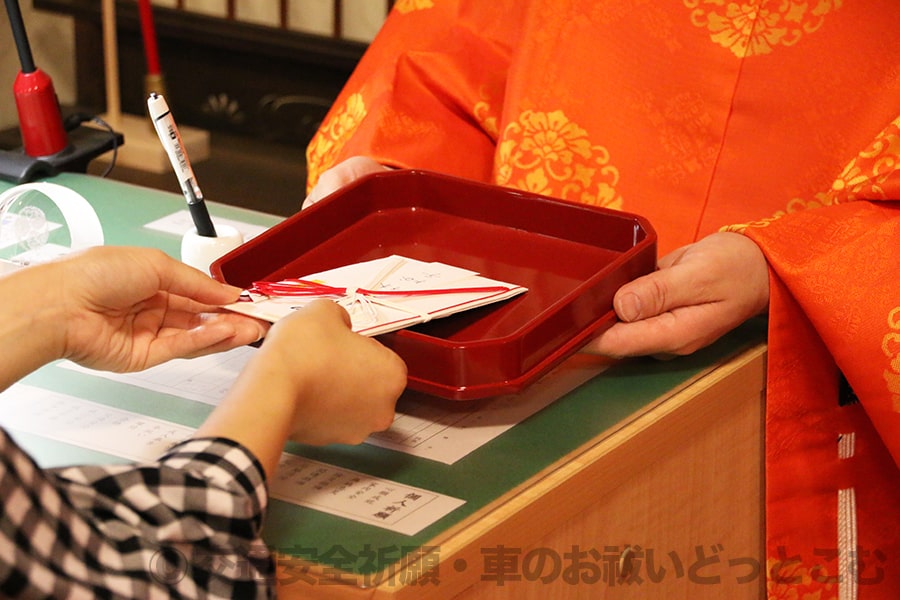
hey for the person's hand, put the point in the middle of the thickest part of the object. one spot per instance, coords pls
(313, 380)
(345, 385)
(699, 293)
(340, 175)
(126, 309)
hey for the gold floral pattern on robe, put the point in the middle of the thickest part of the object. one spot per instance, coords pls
(331, 137)
(407, 6)
(795, 205)
(891, 347)
(862, 178)
(865, 175)
(546, 153)
(788, 579)
(487, 118)
(757, 27)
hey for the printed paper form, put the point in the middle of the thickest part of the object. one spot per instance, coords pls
(316, 485)
(357, 496)
(440, 430)
(68, 419)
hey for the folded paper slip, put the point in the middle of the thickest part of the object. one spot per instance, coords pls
(380, 295)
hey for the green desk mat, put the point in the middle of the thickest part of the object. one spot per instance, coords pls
(481, 477)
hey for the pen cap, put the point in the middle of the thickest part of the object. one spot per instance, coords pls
(200, 251)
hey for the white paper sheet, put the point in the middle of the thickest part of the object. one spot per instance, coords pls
(106, 429)
(203, 379)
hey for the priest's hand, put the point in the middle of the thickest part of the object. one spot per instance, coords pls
(342, 174)
(700, 292)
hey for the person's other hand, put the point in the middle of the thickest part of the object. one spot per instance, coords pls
(344, 385)
(127, 309)
(699, 293)
(340, 175)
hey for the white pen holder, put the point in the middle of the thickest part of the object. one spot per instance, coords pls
(200, 251)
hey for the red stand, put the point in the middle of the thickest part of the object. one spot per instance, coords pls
(39, 116)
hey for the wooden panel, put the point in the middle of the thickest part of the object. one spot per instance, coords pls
(273, 84)
(684, 492)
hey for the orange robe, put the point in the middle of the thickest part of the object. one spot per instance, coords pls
(700, 115)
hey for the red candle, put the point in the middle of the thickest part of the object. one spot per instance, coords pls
(148, 31)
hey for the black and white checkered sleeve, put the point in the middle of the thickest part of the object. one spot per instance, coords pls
(184, 527)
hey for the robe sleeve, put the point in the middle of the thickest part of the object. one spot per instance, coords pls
(836, 266)
(411, 96)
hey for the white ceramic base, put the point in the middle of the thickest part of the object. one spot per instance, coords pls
(200, 251)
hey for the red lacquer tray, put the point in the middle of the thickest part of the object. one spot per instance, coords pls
(571, 257)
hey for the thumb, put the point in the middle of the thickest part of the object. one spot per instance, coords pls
(661, 291)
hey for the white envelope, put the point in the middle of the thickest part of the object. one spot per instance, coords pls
(385, 294)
